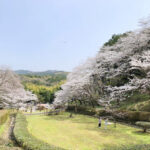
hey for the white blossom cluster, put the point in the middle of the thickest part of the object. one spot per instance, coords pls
(113, 74)
(12, 92)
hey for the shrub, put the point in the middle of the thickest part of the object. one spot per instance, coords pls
(144, 116)
(134, 116)
(130, 116)
(26, 140)
(144, 125)
(82, 110)
(143, 106)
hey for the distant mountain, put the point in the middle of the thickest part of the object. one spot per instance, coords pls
(47, 78)
(23, 72)
(40, 73)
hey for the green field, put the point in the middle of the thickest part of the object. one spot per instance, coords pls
(81, 132)
(2, 128)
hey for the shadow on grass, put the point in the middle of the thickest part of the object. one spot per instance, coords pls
(140, 132)
(128, 147)
(57, 117)
(74, 119)
(89, 123)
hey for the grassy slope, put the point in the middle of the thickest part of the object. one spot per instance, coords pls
(5, 142)
(3, 118)
(81, 132)
(2, 128)
(137, 102)
(25, 139)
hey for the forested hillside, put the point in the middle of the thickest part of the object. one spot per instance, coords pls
(39, 73)
(47, 80)
(43, 84)
(45, 94)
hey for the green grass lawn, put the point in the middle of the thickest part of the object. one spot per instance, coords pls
(81, 132)
(2, 128)
(2, 121)
(34, 112)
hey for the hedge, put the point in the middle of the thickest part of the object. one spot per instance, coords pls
(130, 116)
(145, 125)
(26, 140)
(82, 109)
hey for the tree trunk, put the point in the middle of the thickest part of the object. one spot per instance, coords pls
(115, 124)
(76, 107)
(144, 130)
(92, 104)
(80, 102)
(71, 115)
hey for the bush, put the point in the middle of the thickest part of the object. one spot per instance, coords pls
(82, 110)
(26, 140)
(143, 106)
(138, 116)
(132, 116)
(144, 125)
(129, 116)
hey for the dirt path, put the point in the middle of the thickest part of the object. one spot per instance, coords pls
(7, 141)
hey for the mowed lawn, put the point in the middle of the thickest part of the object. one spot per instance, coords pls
(81, 132)
(2, 125)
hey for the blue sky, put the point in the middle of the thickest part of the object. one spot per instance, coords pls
(60, 34)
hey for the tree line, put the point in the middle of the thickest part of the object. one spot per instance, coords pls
(45, 94)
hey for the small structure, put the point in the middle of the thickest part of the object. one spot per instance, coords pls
(43, 107)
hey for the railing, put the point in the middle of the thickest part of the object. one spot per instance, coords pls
(46, 113)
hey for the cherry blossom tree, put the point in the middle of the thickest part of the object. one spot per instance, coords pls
(12, 92)
(114, 73)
